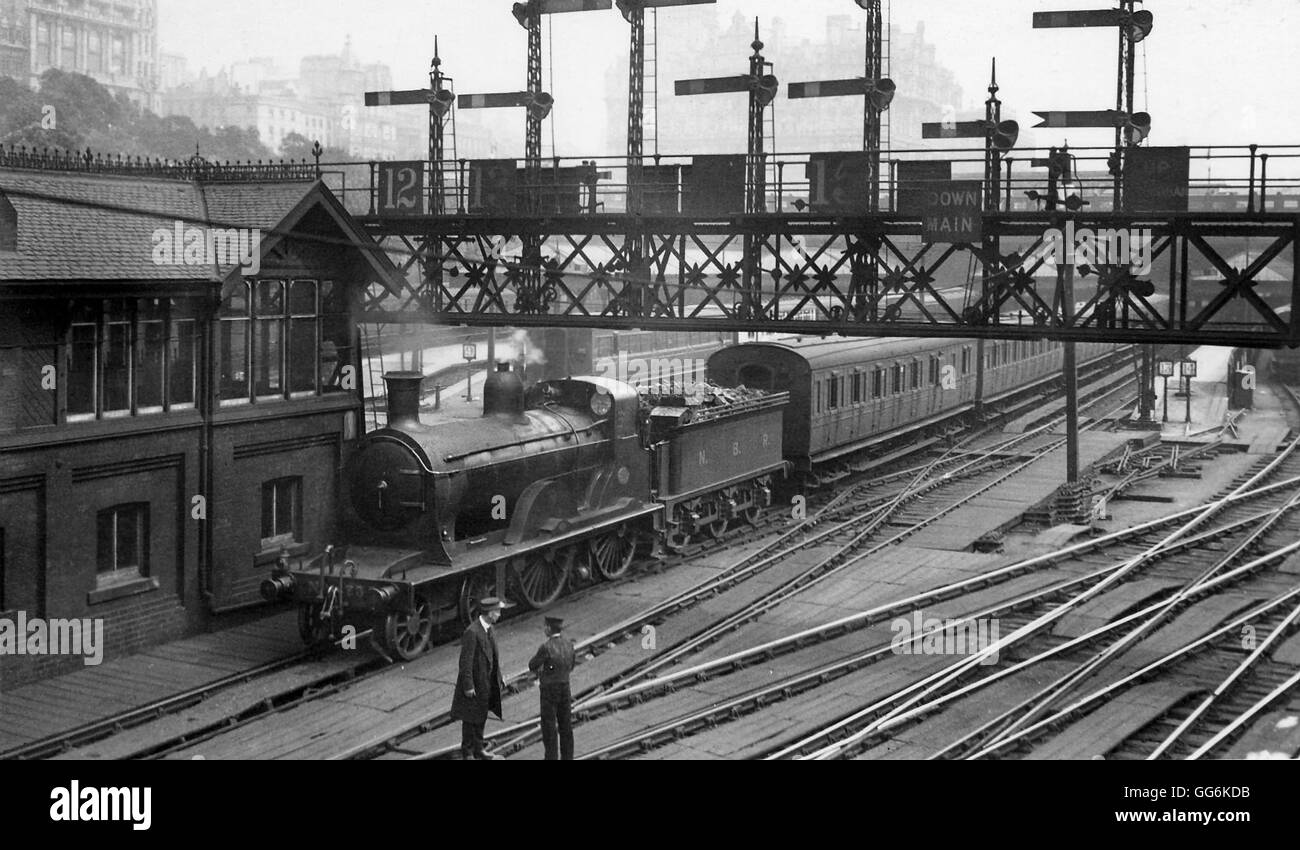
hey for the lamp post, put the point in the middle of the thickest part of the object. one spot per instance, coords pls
(1165, 369)
(469, 351)
(1187, 368)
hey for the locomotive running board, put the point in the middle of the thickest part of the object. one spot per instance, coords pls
(488, 553)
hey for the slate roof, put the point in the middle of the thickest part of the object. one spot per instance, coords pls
(91, 227)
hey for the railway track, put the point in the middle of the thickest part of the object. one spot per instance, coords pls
(956, 465)
(747, 701)
(1247, 519)
(850, 542)
(1277, 520)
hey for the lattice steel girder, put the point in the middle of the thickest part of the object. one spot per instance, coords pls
(867, 275)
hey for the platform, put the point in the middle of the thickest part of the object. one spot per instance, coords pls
(1257, 430)
(62, 703)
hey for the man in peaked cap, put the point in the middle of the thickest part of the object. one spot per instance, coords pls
(553, 663)
(479, 685)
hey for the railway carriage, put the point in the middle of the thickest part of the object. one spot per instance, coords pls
(849, 396)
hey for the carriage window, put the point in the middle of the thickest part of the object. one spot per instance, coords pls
(877, 383)
(916, 374)
(935, 371)
(834, 394)
(818, 384)
(898, 377)
(965, 361)
(857, 387)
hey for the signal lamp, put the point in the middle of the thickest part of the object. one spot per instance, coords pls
(881, 94)
(627, 7)
(1139, 25)
(539, 105)
(766, 88)
(522, 12)
(1140, 123)
(1005, 135)
(442, 102)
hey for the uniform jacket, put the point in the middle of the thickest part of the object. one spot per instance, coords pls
(480, 670)
(554, 661)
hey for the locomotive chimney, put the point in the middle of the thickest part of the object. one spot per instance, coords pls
(403, 397)
(503, 392)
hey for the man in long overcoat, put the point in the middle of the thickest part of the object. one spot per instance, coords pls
(479, 685)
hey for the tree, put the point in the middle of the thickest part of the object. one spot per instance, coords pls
(87, 116)
(83, 104)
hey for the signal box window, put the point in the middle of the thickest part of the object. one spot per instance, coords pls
(283, 339)
(123, 545)
(123, 355)
(281, 513)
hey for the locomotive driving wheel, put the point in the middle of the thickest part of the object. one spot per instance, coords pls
(406, 633)
(476, 586)
(612, 554)
(543, 576)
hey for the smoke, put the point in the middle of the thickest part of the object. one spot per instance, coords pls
(526, 350)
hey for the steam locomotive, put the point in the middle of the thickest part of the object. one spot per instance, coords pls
(553, 486)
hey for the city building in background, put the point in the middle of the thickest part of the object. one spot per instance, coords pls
(324, 101)
(113, 41)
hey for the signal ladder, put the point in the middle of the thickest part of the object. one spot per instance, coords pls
(650, 92)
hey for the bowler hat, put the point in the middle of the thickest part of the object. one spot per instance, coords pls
(554, 624)
(489, 603)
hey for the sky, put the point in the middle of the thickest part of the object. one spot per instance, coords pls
(1222, 72)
